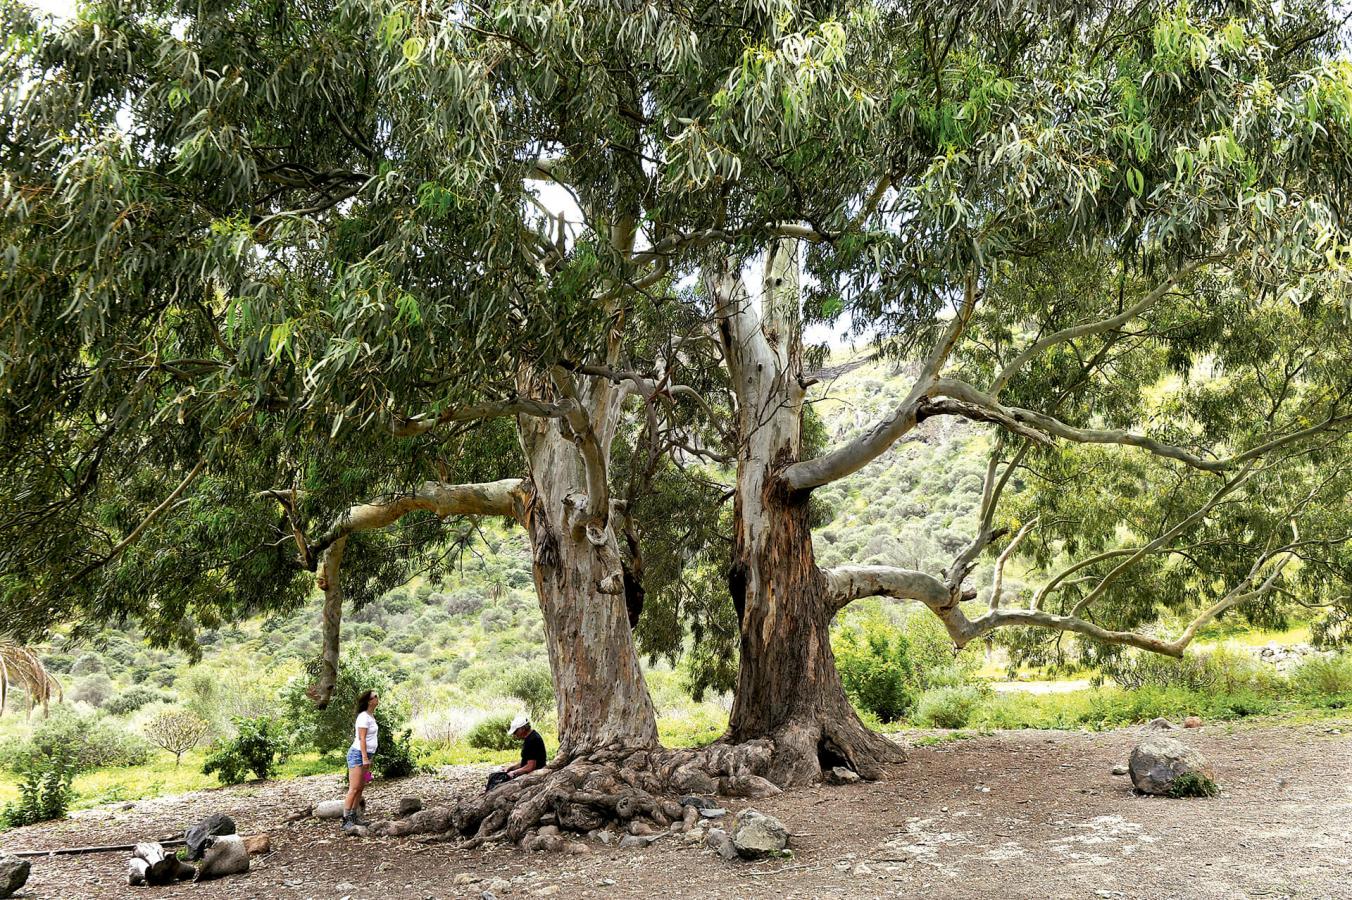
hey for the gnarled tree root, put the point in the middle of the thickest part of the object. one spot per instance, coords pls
(636, 791)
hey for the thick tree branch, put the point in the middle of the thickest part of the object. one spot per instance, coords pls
(493, 498)
(845, 584)
(959, 390)
(859, 452)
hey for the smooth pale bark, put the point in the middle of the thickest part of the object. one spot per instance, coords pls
(788, 688)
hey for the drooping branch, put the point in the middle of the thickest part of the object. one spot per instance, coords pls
(330, 582)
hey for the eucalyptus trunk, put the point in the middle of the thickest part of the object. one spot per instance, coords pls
(788, 688)
(601, 694)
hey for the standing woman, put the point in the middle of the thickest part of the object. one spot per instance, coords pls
(359, 756)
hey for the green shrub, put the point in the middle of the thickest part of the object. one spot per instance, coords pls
(132, 699)
(397, 757)
(331, 728)
(92, 741)
(947, 707)
(96, 690)
(491, 734)
(533, 685)
(1324, 676)
(255, 748)
(45, 791)
(875, 668)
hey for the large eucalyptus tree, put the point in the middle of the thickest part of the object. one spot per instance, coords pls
(1070, 213)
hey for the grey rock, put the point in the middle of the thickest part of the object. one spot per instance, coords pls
(225, 856)
(329, 809)
(755, 834)
(409, 805)
(1159, 759)
(631, 841)
(13, 874)
(1121, 769)
(1160, 724)
(698, 802)
(842, 775)
(606, 837)
(713, 813)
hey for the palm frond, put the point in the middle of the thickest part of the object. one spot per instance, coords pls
(20, 665)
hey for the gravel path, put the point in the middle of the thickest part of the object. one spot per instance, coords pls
(1017, 814)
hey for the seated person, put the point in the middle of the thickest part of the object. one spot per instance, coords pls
(533, 754)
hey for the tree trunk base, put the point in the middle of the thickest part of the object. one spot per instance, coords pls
(804, 749)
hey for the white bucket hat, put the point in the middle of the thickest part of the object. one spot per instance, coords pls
(520, 721)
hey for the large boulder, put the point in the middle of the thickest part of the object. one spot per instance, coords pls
(755, 835)
(1159, 760)
(13, 874)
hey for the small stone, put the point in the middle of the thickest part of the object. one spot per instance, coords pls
(862, 869)
(1160, 723)
(718, 839)
(712, 813)
(488, 895)
(13, 874)
(546, 890)
(607, 882)
(344, 886)
(697, 802)
(1192, 722)
(842, 775)
(640, 828)
(606, 837)
(409, 805)
(548, 831)
(360, 831)
(464, 878)
(1121, 769)
(499, 884)
(756, 835)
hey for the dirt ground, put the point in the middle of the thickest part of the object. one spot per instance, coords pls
(1018, 814)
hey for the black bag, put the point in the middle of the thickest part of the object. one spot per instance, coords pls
(496, 779)
(199, 836)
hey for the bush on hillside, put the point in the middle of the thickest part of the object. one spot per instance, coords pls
(91, 740)
(533, 685)
(132, 699)
(95, 690)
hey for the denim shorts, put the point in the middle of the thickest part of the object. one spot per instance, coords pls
(354, 757)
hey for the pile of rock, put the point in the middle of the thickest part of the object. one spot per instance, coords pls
(1285, 658)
